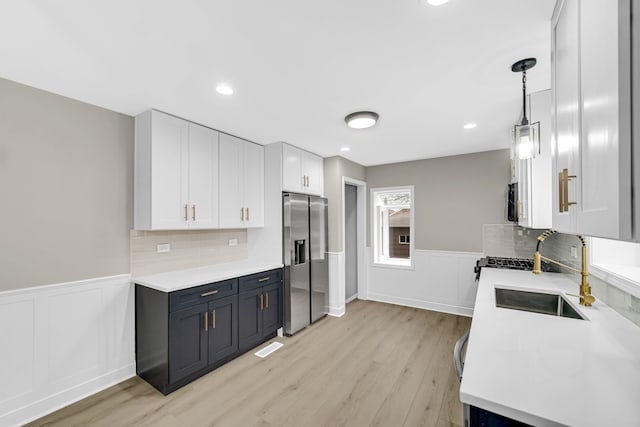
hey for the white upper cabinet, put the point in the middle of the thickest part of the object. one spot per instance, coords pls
(176, 176)
(302, 172)
(534, 174)
(591, 84)
(241, 183)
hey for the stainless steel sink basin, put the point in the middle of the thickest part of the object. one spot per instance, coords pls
(535, 302)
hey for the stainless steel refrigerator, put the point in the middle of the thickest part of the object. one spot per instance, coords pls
(305, 258)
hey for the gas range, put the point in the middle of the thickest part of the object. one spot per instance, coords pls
(509, 263)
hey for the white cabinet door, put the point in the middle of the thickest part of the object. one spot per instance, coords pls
(203, 177)
(314, 172)
(604, 203)
(566, 111)
(169, 166)
(231, 182)
(292, 175)
(253, 183)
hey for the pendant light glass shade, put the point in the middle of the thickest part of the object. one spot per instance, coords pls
(527, 140)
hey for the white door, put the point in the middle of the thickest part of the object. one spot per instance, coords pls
(314, 171)
(231, 182)
(203, 177)
(292, 176)
(253, 184)
(169, 157)
(566, 111)
(604, 205)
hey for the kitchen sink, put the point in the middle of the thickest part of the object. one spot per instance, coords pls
(535, 302)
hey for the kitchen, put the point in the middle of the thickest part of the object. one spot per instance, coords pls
(67, 151)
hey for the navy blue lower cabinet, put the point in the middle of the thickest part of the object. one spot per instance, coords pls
(483, 418)
(182, 335)
(260, 308)
(223, 333)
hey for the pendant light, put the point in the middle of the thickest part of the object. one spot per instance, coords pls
(526, 136)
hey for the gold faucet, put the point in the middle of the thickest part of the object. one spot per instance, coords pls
(586, 298)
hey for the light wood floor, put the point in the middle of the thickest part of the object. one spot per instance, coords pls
(379, 364)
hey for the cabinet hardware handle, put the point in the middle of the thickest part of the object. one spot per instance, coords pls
(193, 212)
(241, 214)
(186, 212)
(560, 192)
(519, 209)
(308, 180)
(264, 279)
(213, 319)
(206, 294)
(565, 190)
(247, 214)
(266, 296)
(261, 303)
(206, 321)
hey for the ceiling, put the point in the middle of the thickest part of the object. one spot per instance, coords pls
(297, 67)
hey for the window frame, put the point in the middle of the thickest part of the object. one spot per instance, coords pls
(378, 258)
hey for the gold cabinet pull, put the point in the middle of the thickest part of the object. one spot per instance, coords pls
(561, 192)
(247, 214)
(206, 321)
(266, 296)
(241, 214)
(186, 212)
(193, 212)
(213, 319)
(264, 279)
(519, 209)
(564, 191)
(261, 303)
(206, 294)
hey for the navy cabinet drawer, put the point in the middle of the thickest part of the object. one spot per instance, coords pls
(199, 294)
(260, 279)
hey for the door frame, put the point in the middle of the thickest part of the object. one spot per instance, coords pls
(361, 197)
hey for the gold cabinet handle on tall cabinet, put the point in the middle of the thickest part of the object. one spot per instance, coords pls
(206, 321)
(193, 212)
(186, 212)
(213, 319)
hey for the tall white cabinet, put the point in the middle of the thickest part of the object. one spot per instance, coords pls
(591, 85)
(241, 183)
(176, 174)
(302, 171)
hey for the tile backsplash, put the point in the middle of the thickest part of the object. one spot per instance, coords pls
(508, 240)
(189, 249)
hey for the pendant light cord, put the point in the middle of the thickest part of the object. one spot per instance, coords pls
(525, 121)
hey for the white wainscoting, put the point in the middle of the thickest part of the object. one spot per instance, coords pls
(336, 284)
(63, 342)
(440, 281)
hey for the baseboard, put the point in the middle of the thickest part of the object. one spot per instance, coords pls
(351, 299)
(337, 311)
(52, 403)
(425, 305)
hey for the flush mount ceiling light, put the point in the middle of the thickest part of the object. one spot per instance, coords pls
(435, 2)
(345, 149)
(224, 89)
(470, 126)
(361, 119)
(526, 137)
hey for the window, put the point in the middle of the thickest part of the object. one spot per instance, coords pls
(617, 262)
(393, 225)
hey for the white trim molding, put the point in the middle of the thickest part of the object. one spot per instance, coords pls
(336, 284)
(440, 281)
(66, 342)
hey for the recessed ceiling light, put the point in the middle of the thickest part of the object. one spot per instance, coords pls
(224, 89)
(345, 149)
(361, 119)
(436, 2)
(470, 125)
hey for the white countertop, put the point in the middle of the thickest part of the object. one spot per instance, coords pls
(182, 279)
(546, 370)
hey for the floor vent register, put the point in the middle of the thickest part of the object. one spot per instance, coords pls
(268, 349)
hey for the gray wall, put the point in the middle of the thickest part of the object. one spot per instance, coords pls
(66, 188)
(334, 169)
(453, 196)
